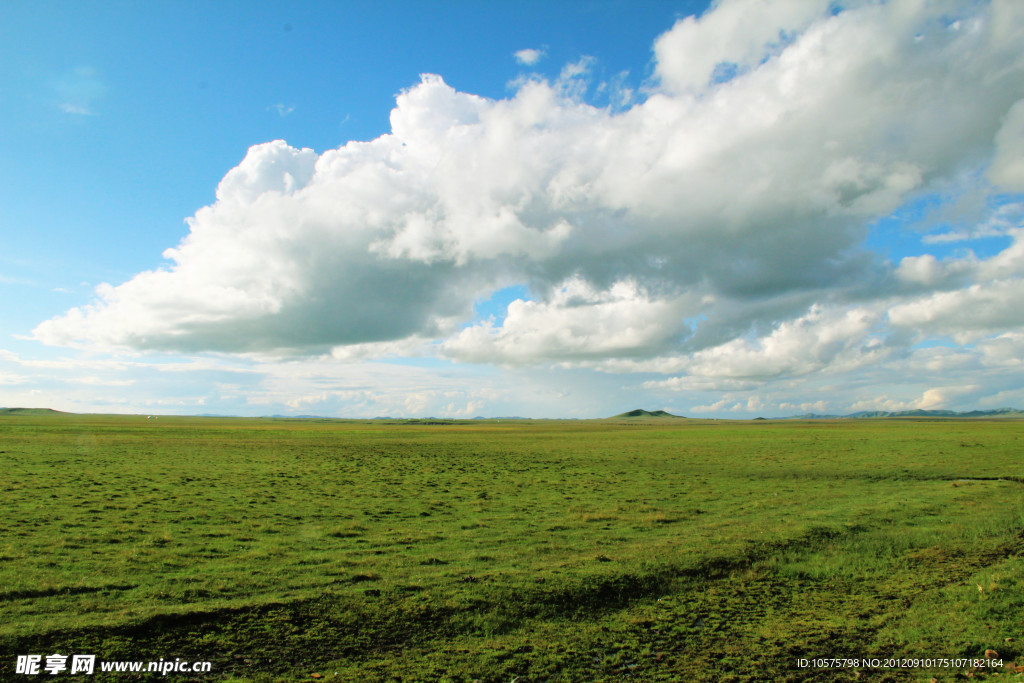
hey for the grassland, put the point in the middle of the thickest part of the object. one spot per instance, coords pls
(659, 550)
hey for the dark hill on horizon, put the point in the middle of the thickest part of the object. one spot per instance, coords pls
(31, 411)
(639, 412)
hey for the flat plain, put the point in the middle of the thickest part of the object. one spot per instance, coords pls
(493, 551)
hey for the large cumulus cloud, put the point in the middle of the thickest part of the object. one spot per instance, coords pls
(715, 228)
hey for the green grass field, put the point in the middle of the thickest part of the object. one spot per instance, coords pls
(657, 550)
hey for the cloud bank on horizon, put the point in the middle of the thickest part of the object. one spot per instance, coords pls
(712, 232)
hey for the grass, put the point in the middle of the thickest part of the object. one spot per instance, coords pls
(487, 550)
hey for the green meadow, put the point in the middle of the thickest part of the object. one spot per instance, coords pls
(498, 551)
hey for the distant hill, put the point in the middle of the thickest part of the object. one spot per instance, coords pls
(30, 411)
(639, 412)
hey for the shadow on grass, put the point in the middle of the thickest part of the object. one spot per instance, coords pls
(282, 638)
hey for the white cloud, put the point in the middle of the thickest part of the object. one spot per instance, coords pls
(245, 385)
(1007, 168)
(529, 56)
(820, 406)
(928, 272)
(725, 404)
(936, 398)
(578, 321)
(836, 339)
(693, 383)
(972, 217)
(976, 296)
(11, 378)
(92, 380)
(756, 404)
(713, 230)
(741, 33)
(966, 313)
(1005, 350)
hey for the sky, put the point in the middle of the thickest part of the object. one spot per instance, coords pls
(567, 210)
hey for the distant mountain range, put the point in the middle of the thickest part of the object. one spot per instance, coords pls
(639, 413)
(999, 412)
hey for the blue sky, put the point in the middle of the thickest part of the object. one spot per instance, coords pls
(566, 210)
(122, 117)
